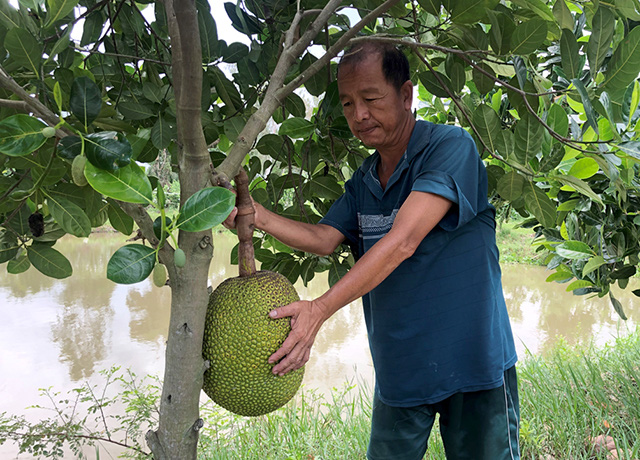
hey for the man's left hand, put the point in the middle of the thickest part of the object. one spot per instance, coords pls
(306, 319)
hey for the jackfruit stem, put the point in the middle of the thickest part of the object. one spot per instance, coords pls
(244, 225)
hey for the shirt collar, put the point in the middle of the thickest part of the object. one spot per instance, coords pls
(420, 138)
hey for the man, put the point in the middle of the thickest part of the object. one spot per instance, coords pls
(427, 266)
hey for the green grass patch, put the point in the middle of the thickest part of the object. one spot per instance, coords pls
(515, 245)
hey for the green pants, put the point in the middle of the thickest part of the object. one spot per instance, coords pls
(480, 425)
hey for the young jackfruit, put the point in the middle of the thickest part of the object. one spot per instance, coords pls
(240, 336)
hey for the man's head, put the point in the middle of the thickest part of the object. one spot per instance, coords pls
(395, 65)
(376, 96)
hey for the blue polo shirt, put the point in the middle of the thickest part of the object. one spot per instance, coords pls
(438, 324)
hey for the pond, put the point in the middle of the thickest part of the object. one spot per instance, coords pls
(60, 333)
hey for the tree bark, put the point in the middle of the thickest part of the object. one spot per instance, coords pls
(179, 422)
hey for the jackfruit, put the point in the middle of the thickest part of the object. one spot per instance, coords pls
(239, 337)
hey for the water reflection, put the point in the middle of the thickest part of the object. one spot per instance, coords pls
(541, 312)
(59, 332)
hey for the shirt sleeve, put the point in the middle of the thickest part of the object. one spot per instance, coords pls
(343, 214)
(454, 170)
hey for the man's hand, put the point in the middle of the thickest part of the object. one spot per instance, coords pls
(230, 221)
(306, 319)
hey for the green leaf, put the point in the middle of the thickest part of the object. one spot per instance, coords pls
(617, 306)
(540, 205)
(92, 29)
(23, 49)
(528, 138)
(510, 186)
(20, 135)
(469, 11)
(131, 264)
(58, 9)
(579, 185)
(290, 268)
(9, 16)
(69, 147)
(233, 127)
(456, 73)
(574, 250)
(602, 28)
(539, 7)
(484, 83)
(49, 261)
(295, 105)
(487, 123)
(119, 219)
(107, 150)
(563, 15)
(271, 145)
(558, 120)
(326, 187)
(226, 90)
(61, 45)
(430, 81)
(552, 159)
(592, 264)
(129, 184)
(317, 83)
(336, 272)
(208, 35)
(631, 148)
(592, 118)
(584, 168)
(570, 53)
(560, 277)
(431, 6)
(579, 284)
(205, 209)
(163, 133)
(19, 265)
(8, 247)
(85, 100)
(624, 272)
(69, 216)
(625, 63)
(502, 27)
(297, 128)
(136, 110)
(528, 36)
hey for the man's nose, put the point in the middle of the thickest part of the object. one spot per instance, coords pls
(361, 111)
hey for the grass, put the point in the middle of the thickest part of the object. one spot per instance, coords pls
(515, 246)
(568, 397)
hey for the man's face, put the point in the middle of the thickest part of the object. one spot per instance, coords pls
(375, 110)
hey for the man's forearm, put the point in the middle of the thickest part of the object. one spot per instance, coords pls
(317, 239)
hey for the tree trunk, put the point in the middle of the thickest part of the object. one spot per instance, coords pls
(179, 423)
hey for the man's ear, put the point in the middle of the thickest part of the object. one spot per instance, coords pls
(406, 91)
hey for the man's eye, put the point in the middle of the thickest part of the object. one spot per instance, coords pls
(371, 99)
(346, 104)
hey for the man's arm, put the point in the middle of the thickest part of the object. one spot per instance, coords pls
(317, 239)
(419, 214)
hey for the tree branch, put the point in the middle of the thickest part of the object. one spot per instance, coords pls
(33, 104)
(276, 93)
(20, 106)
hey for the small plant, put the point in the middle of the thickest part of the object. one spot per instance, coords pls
(89, 416)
